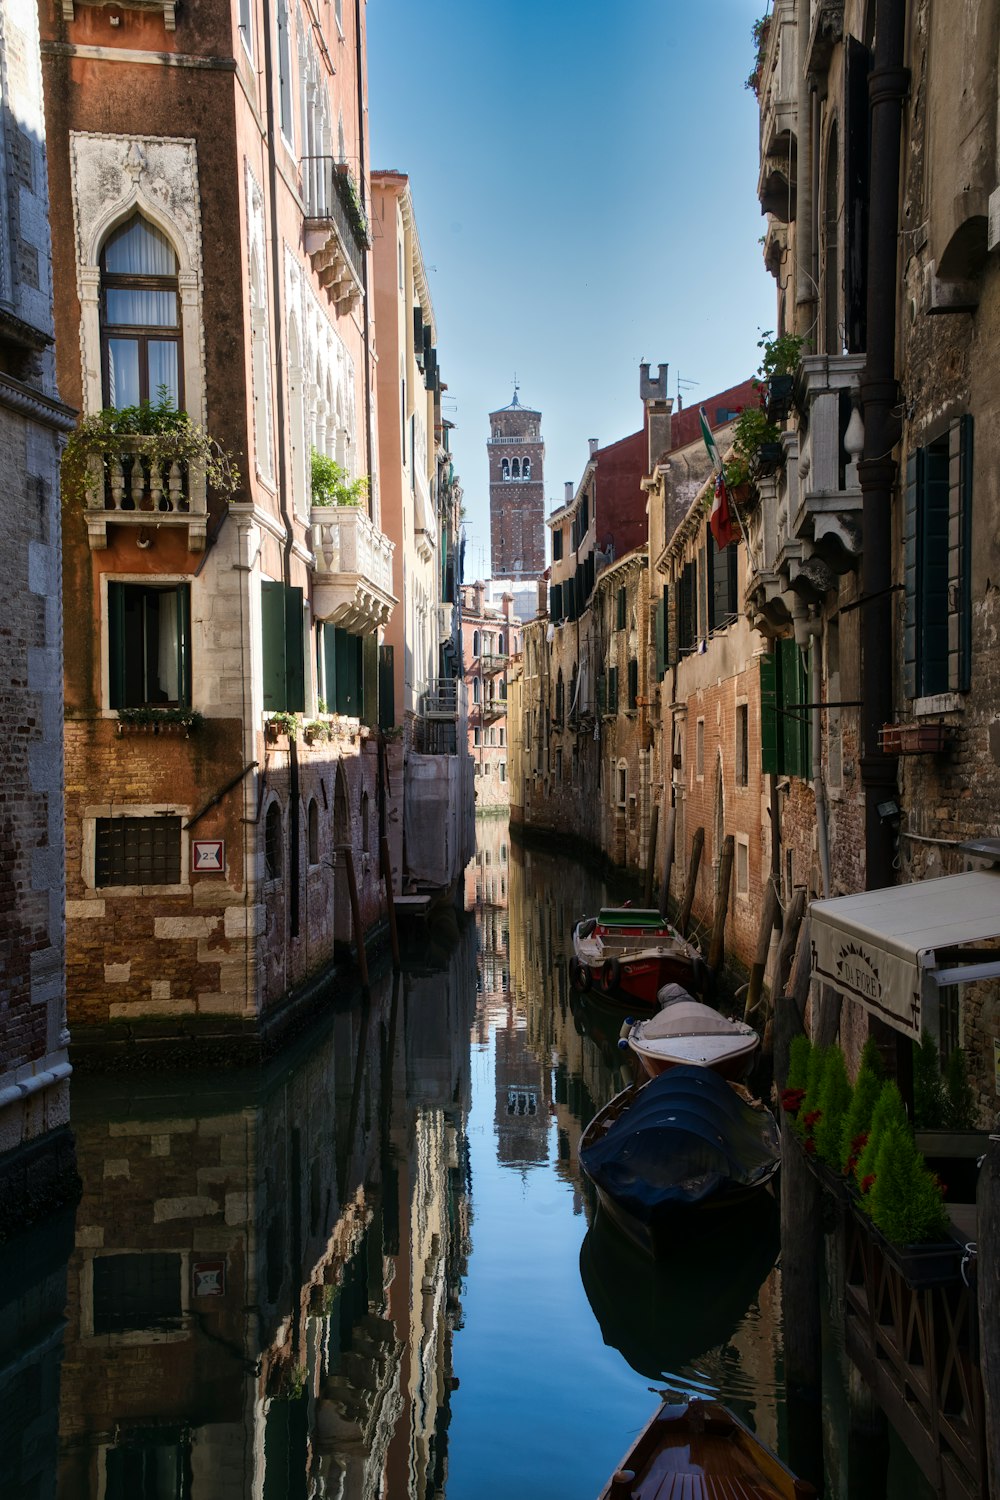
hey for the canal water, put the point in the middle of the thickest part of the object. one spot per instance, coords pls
(373, 1269)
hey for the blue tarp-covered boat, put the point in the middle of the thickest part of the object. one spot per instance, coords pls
(684, 1141)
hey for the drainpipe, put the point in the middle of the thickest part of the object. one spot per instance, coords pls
(805, 283)
(284, 483)
(888, 83)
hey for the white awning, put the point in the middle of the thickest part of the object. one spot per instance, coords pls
(882, 948)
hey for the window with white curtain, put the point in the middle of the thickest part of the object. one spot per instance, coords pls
(140, 316)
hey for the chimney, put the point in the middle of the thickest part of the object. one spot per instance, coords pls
(658, 405)
(593, 446)
(569, 488)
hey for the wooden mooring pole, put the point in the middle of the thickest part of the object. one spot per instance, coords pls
(684, 915)
(654, 822)
(770, 918)
(717, 945)
(352, 891)
(390, 902)
(668, 859)
(988, 1292)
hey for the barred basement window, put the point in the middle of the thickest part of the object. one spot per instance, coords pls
(136, 1291)
(137, 851)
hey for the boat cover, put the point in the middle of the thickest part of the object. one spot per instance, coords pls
(687, 1136)
(685, 1016)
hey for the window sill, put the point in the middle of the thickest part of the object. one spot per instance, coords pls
(108, 892)
(939, 703)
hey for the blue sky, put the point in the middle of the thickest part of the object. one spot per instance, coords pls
(584, 181)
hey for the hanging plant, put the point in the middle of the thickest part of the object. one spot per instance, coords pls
(167, 436)
(761, 28)
(331, 484)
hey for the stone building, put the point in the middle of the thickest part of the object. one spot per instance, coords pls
(491, 644)
(36, 1158)
(424, 693)
(516, 456)
(874, 545)
(224, 623)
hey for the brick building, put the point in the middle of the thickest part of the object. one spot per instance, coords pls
(516, 455)
(491, 645)
(36, 1163)
(223, 631)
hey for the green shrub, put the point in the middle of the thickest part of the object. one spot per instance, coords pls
(871, 1058)
(798, 1062)
(928, 1093)
(889, 1110)
(905, 1201)
(959, 1100)
(834, 1102)
(330, 484)
(857, 1121)
(809, 1113)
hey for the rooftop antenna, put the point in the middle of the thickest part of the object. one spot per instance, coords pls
(687, 384)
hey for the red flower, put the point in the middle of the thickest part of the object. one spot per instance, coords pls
(810, 1119)
(867, 1183)
(791, 1099)
(859, 1143)
(810, 1147)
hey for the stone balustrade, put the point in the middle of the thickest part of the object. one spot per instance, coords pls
(352, 585)
(137, 487)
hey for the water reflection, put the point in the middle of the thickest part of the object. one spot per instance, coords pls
(372, 1269)
(265, 1278)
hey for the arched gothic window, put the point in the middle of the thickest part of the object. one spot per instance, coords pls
(140, 316)
(515, 469)
(504, 469)
(312, 824)
(272, 842)
(526, 469)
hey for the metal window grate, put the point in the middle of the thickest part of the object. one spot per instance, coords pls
(136, 1291)
(138, 851)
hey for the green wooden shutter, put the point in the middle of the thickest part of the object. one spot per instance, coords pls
(386, 688)
(770, 759)
(933, 567)
(633, 683)
(658, 634)
(116, 644)
(793, 691)
(958, 597)
(665, 648)
(911, 510)
(272, 619)
(613, 690)
(184, 645)
(701, 629)
(733, 579)
(295, 653)
(602, 692)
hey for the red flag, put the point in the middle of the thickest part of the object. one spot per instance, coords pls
(721, 519)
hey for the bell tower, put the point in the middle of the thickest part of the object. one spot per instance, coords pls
(516, 456)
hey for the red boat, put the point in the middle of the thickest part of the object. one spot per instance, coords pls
(631, 952)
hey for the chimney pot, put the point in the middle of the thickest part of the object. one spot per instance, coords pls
(593, 446)
(568, 487)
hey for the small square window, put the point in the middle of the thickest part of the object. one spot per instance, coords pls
(137, 851)
(742, 745)
(136, 1291)
(742, 868)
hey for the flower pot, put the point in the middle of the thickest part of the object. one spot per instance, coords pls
(769, 458)
(779, 396)
(933, 1263)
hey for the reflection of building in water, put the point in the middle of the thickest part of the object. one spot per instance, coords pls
(487, 896)
(523, 1093)
(265, 1281)
(32, 1304)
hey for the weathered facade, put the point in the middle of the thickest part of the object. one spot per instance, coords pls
(36, 1159)
(491, 645)
(422, 685)
(223, 631)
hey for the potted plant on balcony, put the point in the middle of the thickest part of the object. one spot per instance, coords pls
(756, 440)
(154, 434)
(150, 720)
(279, 724)
(331, 484)
(779, 361)
(761, 29)
(315, 730)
